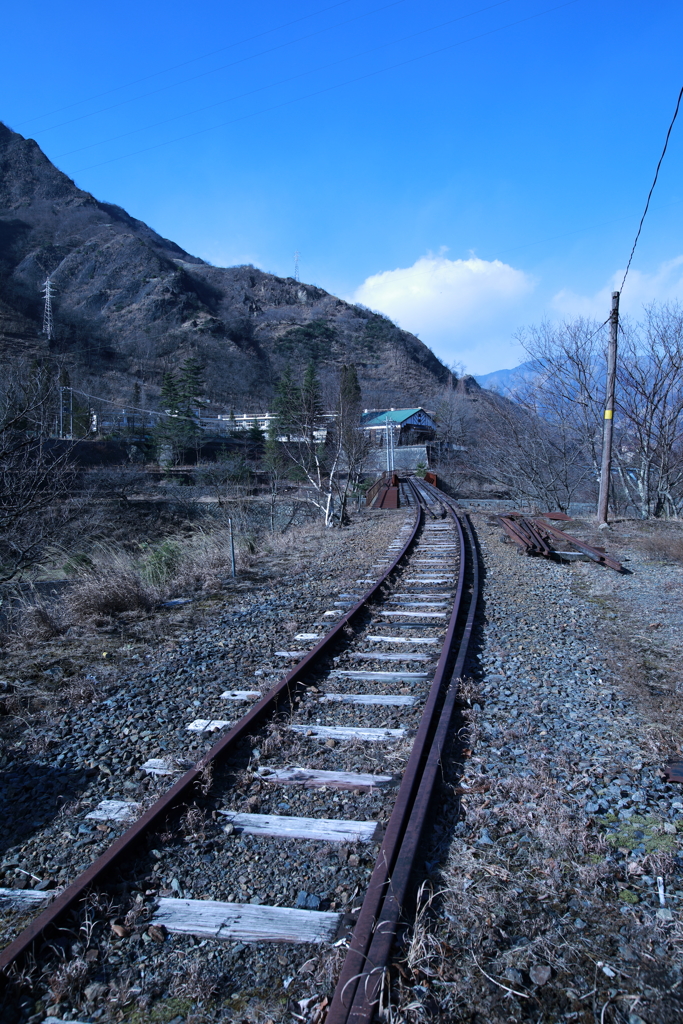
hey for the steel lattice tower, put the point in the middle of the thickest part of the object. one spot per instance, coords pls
(48, 323)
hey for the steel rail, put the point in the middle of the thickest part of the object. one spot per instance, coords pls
(360, 979)
(595, 553)
(368, 991)
(21, 945)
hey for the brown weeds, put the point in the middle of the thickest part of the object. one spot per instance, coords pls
(526, 922)
(66, 982)
(110, 583)
(661, 545)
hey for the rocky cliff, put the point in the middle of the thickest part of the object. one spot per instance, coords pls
(130, 304)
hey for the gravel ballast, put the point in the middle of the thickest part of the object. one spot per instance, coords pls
(540, 898)
(543, 902)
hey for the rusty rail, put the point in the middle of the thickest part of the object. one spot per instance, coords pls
(52, 915)
(595, 553)
(360, 982)
(533, 536)
(372, 492)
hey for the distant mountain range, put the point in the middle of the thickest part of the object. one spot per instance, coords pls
(130, 304)
(504, 380)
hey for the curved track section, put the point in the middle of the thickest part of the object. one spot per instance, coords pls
(185, 787)
(375, 663)
(360, 982)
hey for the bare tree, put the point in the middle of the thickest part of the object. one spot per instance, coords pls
(649, 404)
(318, 449)
(541, 441)
(36, 474)
(458, 428)
(354, 441)
(312, 450)
(545, 442)
(533, 459)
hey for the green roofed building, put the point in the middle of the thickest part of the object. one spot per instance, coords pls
(408, 426)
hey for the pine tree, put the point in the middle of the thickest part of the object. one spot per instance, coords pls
(136, 401)
(170, 394)
(191, 386)
(349, 388)
(351, 438)
(286, 405)
(175, 431)
(311, 402)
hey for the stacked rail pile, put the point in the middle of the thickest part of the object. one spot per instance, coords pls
(538, 537)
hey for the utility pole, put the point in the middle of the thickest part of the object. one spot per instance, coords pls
(390, 445)
(608, 422)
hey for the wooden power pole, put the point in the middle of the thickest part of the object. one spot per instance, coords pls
(608, 422)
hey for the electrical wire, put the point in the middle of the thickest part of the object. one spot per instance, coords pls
(649, 195)
(283, 81)
(330, 88)
(224, 67)
(183, 64)
(132, 408)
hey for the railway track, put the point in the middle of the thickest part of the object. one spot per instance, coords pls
(337, 762)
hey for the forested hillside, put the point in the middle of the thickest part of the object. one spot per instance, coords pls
(130, 304)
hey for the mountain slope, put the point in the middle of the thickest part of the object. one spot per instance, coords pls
(130, 304)
(504, 380)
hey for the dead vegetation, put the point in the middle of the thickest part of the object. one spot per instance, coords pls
(112, 580)
(534, 916)
(663, 545)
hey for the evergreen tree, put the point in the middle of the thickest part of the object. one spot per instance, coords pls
(191, 386)
(286, 405)
(255, 436)
(179, 430)
(136, 401)
(311, 402)
(349, 388)
(170, 394)
(352, 440)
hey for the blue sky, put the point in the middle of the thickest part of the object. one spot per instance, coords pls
(466, 167)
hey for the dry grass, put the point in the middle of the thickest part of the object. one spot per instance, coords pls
(661, 545)
(496, 938)
(66, 982)
(114, 581)
(111, 583)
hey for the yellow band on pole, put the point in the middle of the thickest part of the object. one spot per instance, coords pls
(608, 414)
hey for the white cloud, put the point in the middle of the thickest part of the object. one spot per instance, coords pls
(466, 310)
(664, 285)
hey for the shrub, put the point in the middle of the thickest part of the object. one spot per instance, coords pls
(162, 562)
(112, 583)
(662, 546)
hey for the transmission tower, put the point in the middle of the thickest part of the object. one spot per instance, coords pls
(296, 265)
(48, 324)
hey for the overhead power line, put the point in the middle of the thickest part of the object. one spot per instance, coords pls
(330, 88)
(282, 81)
(224, 67)
(130, 408)
(183, 64)
(652, 188)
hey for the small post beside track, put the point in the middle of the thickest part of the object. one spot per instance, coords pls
(232, 549)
